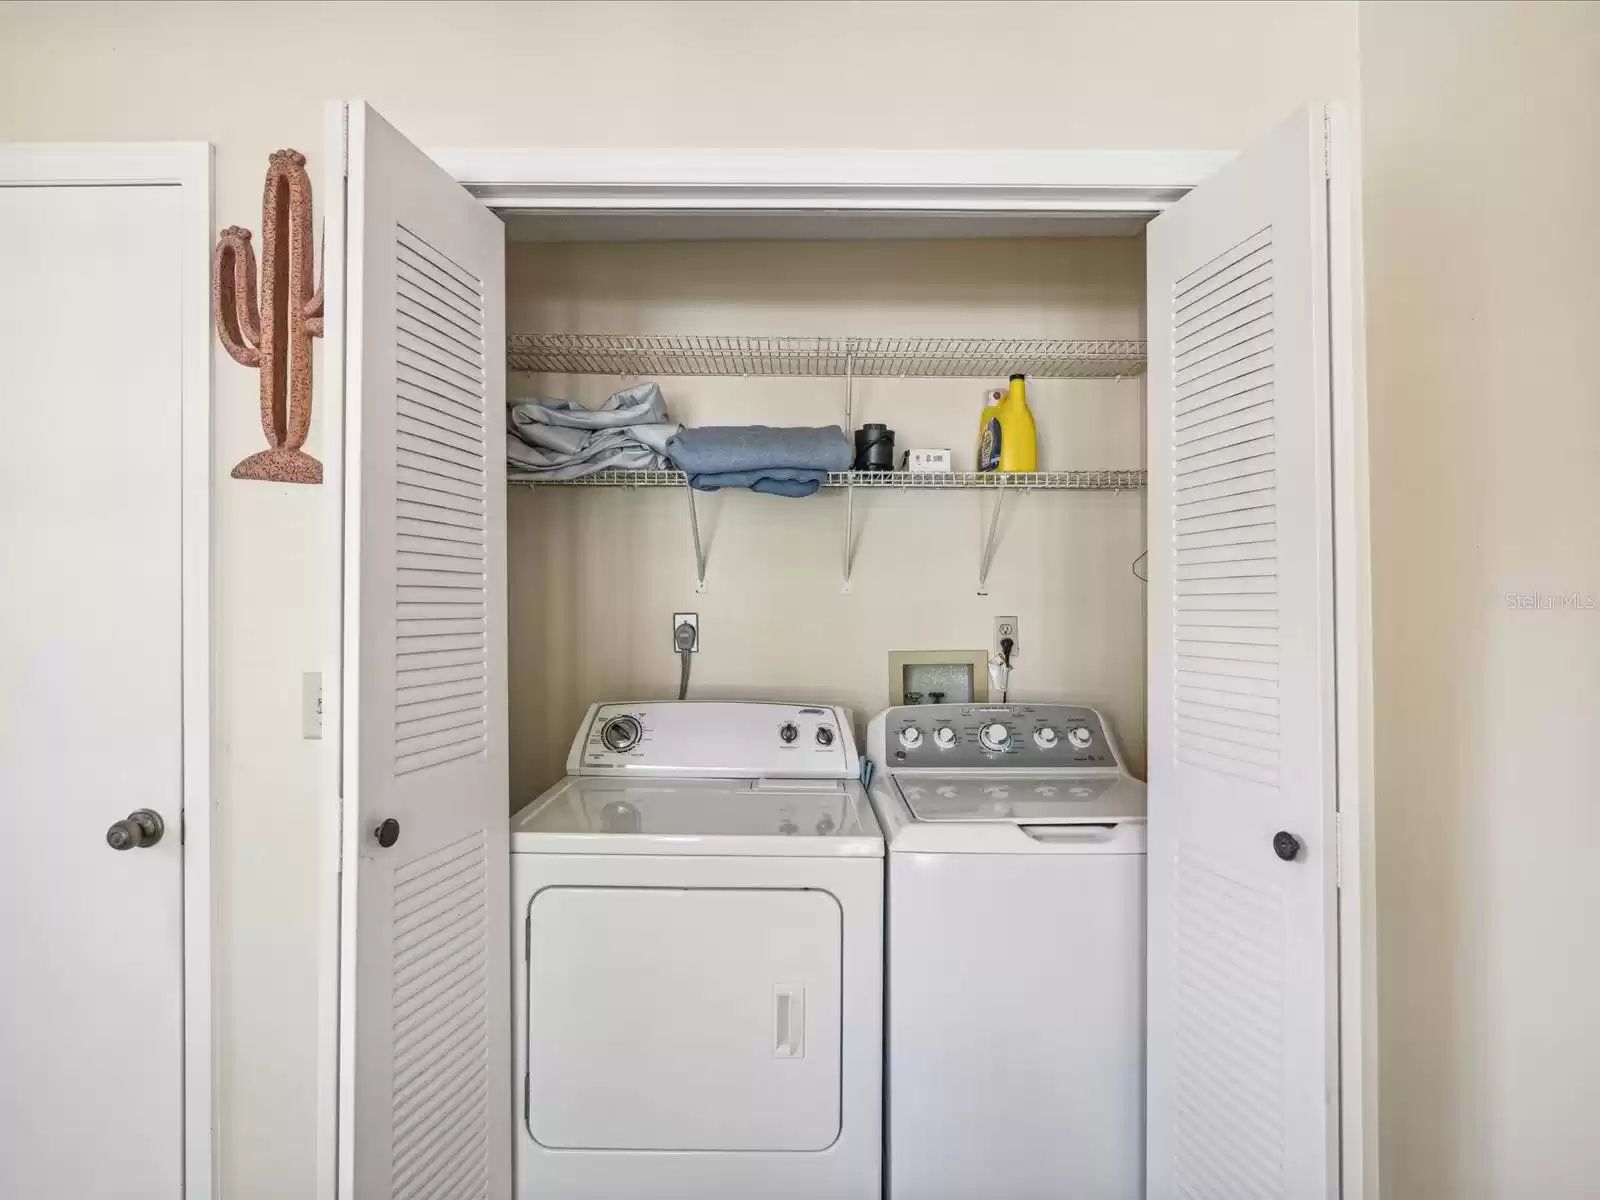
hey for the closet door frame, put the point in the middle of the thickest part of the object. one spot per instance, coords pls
(1059, 182)
(1040, 183)
(186, 166)
(1019, 182)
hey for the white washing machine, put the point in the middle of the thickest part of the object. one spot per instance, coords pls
(1016, 953)
(698, 921)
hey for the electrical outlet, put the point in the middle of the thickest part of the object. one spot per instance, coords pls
(692, 620)
(1006, 627)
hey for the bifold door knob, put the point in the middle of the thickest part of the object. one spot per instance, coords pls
(142, 827)
(1286, 846)
(388, 833)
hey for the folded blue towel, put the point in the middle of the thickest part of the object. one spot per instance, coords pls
(779, 462)
(557, 439)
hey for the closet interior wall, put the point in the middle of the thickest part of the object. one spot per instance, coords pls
(596, 573)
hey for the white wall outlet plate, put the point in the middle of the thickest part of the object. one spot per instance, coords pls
(1006, 627)
(692, 620)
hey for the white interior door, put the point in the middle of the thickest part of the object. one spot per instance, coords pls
(91, 659)
(1243, 1051)
(425, 1057)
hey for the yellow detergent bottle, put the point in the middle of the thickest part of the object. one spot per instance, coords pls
(1006, 437)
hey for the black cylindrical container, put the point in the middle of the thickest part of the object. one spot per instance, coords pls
(874, 448)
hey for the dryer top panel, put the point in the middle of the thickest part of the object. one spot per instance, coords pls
(709, 739)
(790, 818)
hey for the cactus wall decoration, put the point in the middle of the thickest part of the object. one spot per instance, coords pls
(274, 334)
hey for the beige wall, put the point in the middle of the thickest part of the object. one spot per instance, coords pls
(596, 575)
(1482, 159)
(251, 78)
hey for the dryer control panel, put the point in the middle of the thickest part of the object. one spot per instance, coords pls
(712, 739)
(947, 737)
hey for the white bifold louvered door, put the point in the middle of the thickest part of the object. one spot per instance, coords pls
(1243, 1060)
(425, 1057)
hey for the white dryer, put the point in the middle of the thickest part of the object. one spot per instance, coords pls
(699, 977)
(1016, 953)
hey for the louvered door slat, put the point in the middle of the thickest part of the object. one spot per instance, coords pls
(1239, 717)
(424, 1114)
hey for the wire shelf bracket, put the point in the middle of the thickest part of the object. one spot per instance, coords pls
(699, 547)
(1002, 483)
(986, 557)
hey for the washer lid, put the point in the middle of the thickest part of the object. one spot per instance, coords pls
(1021, 799)
(792, 817)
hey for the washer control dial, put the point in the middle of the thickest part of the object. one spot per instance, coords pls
(824, 736)
(1080, 737)
(944, 737)
(994, 736)
(621, 734)
(911, 737)
(788, 732)
(1045, 738)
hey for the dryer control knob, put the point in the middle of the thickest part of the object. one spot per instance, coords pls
(994, 736)
(911, 737)
(1080, 737)
(621, 734)
(1045, 738)
(944, 737)
(788, 732)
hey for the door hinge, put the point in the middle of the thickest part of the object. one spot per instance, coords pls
(1338, 850)
(1327, 143)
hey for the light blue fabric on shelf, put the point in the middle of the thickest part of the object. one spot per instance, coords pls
(763, 458)
(557, 439)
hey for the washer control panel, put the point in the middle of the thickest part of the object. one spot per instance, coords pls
(956, 736)
(708, 738)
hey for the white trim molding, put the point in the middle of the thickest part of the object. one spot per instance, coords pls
(187, 166)
(883, 181)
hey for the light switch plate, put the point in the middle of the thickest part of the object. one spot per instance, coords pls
(311, 706)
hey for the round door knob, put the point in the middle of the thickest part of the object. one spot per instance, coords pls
(142, 827)
(911, 737)
(994, 736)
(388, 833)
(1286, 846)
(1046, 738)
(945, 736)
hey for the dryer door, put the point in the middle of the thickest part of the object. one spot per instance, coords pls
(684, 1019)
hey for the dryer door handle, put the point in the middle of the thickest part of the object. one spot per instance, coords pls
(788, 1021)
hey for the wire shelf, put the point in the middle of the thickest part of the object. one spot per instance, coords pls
(1088, 480)
(951, 358)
